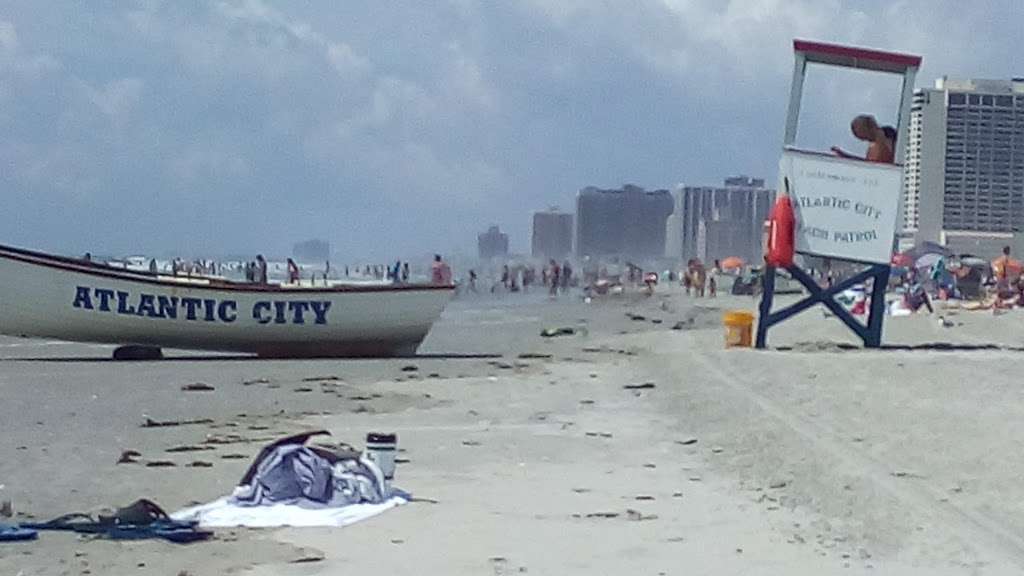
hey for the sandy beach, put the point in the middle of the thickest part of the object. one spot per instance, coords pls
(531, 455)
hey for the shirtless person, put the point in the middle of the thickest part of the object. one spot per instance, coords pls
(865, 128)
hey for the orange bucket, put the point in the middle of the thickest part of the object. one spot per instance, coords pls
(739, 329)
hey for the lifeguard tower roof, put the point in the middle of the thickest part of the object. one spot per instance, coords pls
(852, 57)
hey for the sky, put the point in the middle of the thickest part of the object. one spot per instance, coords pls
(401, 128)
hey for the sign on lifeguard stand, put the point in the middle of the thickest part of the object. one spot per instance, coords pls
(846, 208)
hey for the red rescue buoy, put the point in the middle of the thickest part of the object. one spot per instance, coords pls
(781, 227)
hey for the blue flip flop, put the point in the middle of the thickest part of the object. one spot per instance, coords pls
(14, 533)
(141, 520)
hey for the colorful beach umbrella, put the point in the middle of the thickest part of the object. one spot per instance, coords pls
(732, 262)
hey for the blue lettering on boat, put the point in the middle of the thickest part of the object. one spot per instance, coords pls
(143, 305)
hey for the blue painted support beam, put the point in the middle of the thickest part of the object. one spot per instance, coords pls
(767, 296)
(871, 334)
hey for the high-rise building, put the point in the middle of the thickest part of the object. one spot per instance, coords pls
(311, 251)
(715, 222)
(628, 222)
(492, 244)
(552, 235)
(964, 172)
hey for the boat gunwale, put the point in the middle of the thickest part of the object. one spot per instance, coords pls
(95, 269)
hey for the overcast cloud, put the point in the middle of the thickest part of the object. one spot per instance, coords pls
(398, 128)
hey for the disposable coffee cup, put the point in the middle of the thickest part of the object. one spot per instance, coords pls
(382, 448)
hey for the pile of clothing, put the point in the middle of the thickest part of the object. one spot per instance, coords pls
(292, 484)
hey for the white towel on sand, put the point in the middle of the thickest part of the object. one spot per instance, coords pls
(222, 513)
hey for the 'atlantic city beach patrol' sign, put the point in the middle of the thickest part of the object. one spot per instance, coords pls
(145, 305)
(845, 210)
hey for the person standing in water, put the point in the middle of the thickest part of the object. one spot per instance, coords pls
(261, 269)
(555, 275)
(293, 272)
(880, 147)
(440, 272)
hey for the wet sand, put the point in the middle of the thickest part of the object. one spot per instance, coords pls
(813, 459)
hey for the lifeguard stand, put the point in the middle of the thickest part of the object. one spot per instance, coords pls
(846, 209)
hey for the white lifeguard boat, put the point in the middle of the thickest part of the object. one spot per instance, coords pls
(48, 296)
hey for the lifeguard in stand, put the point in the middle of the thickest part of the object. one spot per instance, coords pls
(880, 149)
(838, 206)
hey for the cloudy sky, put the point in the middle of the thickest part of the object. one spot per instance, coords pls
(402, 127)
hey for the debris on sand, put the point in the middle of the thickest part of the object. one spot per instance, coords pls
(200, 464)
(635, 317)
(470, 443)
(256, 381)
(552, 332)
(233, 456)
(637, 516)
(198, 387)
(129, 457)
(600, 515)
(535, 356)
(189, 448)
(778, 484)
(410, 368)
(160, 464)
(307, 555)
(225, 439)
(322, 379)
(302, 389)
(150, 423)
(643, 386)
(683, 324)
(656, 321)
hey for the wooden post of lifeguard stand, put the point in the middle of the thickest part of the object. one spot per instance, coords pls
(835, 199)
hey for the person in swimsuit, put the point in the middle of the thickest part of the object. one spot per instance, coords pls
(880, 147)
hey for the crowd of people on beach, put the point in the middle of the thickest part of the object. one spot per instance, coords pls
(259, 270)
(520, 278)
(971, 283)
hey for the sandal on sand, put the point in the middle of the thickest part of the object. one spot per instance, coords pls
(141, 520)
(14, 533)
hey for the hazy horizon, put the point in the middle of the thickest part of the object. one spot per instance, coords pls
(394, 129)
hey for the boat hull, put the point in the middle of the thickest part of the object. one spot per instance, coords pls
(50, 297)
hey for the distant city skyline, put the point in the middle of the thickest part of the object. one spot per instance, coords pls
(964, 176)
(243, 126)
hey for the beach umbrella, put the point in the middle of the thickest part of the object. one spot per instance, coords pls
(732, 262)
(913, 255)
(927, 260)
(974, 262)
